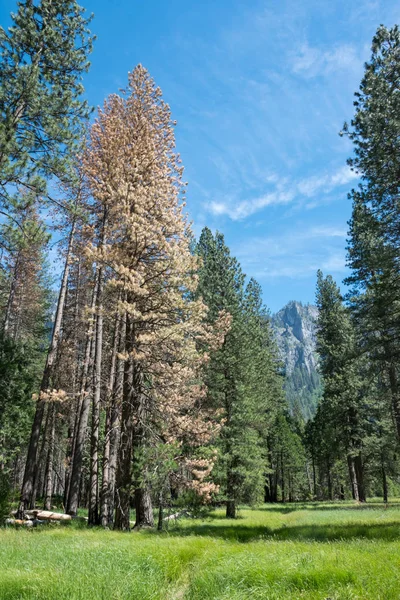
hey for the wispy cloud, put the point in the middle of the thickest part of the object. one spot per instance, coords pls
(283, 192)
(296, 253)
(313, 62)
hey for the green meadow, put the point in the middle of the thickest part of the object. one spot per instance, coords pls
(307, 551)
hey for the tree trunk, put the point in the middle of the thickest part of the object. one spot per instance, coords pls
(353, 478)
(359, 469)
(282, 479)
(10, 299)
(329, 478)
(384, 485)
(144, 508)
(73, 417)
(230, 491)
(69, 452)
(143, 505)
(82, 418)
(31, 459)
(160, 514)
(231, 509)
(112, 416)
(267, 493)
(50, 456)
(94, 513)
(38, 484)
(124, 471)
(314, 477)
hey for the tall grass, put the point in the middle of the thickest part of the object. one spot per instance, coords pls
(313, 551)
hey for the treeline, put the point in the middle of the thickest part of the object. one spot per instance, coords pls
(150, 377)
(357, 426)
(351, 446)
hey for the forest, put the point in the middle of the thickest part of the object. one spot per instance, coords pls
(141, 386)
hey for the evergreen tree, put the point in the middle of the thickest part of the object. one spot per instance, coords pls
(342, 395)
(141, 252)
(373, 251)
(25, 328)
(43, 56)
(242, 376)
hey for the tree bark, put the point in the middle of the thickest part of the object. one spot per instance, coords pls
(82, 418)
(50, 457)
(160, 514)
(144, 508)
(10, 299)
(230, 491)
(124, 471)
(94, 513)
(31, 459)
(74, 416)
(38, 484)
(329, 478)
(231, 509)
(384, 485)
(282, 479)
(359, 469)
(110, 438)
(353, 478)
(314, 477)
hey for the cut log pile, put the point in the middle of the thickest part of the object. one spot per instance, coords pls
(38, 517)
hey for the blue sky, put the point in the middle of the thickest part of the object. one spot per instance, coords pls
(260, 90)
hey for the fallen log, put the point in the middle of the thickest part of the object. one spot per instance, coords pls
(19, 523)
(48, 515)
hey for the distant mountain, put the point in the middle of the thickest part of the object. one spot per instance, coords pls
(294, 327)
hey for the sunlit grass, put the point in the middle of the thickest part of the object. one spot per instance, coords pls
(304, 551)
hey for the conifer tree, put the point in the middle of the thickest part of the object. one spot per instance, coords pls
(43, 56)
(342, 388)
(144, 252)
(242, 375)
(374, 229)
(26, 314)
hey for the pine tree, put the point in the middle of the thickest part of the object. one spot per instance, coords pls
(25, 328)
(342, 395)
(242, 375)
(374, 229)
(43, 56)
(144, 255)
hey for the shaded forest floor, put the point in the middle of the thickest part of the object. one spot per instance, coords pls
(303, 551)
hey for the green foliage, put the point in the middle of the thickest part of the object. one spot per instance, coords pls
(43, 56)
(242, 377)
(26, 301)
(373, 252)
(20, 370)
(5, 494)
(303, 390)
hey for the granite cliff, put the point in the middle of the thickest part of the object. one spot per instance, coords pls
(294, 328)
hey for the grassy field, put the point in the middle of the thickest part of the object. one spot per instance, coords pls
(307, 551)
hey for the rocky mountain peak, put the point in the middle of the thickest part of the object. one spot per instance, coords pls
(294, 328)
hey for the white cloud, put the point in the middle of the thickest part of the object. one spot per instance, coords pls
(328, 232)
(326, 183)
(284, 193)
(296, 253)
(313, 62)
